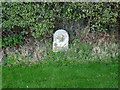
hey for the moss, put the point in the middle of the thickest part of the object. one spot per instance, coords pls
(54, 48)
(62, 38)
(55, 44)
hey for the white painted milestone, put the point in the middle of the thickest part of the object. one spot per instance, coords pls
(60, 41)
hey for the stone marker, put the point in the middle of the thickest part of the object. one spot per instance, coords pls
(60, 41)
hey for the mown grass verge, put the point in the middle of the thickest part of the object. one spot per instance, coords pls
(91, 75)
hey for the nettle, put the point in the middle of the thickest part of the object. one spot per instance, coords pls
(38, 18)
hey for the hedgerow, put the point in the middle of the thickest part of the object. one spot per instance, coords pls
(38, 18)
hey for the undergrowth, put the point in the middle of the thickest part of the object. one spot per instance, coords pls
(76, 54)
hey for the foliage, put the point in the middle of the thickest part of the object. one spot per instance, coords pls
(13, 41)
(92, 75)
(38, 18)
(99, 14)
(33, 16)
(76, 54)
(75, 41)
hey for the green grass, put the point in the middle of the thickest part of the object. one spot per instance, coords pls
(91, 75)
(76, 68)
(0, 76)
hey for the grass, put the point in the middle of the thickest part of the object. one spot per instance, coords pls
(72, 69)
(0, 75)
(92, 75)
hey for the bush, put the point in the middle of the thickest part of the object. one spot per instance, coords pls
(38, 18)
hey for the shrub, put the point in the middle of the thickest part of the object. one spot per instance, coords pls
(38, 18)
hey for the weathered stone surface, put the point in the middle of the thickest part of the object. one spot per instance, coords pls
(60, 41)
